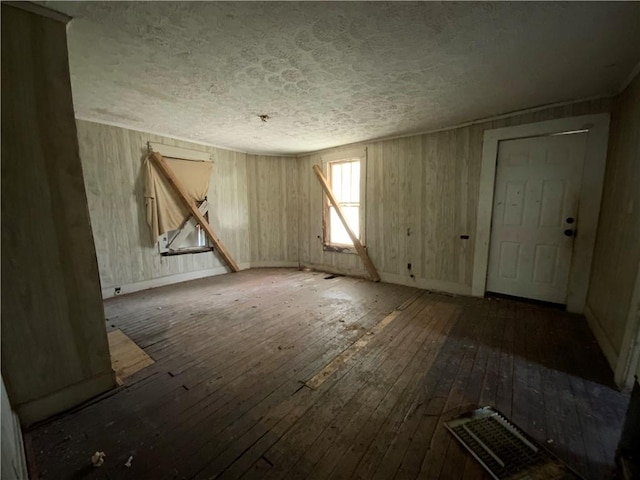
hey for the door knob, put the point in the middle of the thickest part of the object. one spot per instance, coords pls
(568, 232)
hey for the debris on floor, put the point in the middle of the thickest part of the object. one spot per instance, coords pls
(97, 459)
(128, 464)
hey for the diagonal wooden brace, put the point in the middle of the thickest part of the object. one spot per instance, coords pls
(371, 268)
(175, 183)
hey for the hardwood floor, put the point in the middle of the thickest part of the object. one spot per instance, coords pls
(227, 397)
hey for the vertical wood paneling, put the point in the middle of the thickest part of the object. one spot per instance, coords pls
(617, 250)
(375, 201)
(414, 253)
(270, 208)
(462, 194)
(274, 192)
(428, 208)
(428, 183)
(392, 206)
(54, 344)
(112, 160)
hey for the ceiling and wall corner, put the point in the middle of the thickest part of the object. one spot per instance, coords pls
(330, 74)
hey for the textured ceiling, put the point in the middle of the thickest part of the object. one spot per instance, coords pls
(335, 73)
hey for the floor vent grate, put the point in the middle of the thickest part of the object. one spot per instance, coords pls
(504, 450)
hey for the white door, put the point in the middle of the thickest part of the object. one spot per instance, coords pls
(535, 216)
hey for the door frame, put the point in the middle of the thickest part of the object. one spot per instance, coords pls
(627, 362)
(597, 129)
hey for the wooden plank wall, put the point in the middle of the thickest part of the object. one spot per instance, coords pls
(267, 209)
(274, 196)
(427, 184)
(112, 160)
(617, 250)
(54, 342)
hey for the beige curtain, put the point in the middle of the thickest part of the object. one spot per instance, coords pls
(165, 211)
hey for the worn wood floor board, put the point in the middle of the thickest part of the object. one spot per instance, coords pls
(302, 374)
(200, 374)
(571, 433)
(413, 441)
(364, 407)
(256, 351)
(425, 462)
(222, 398)
(282, 345)
(594, 461)
(458, 402)
(225, 417)
(488, 372)
(542, 417)
(344, 398)
(380, 399)
(432, 463)
(353, 379)
(472, 393)
(504, 389)
(391, 440)
(363, 457)
(270, 316)
(335, 312)
(155, 309)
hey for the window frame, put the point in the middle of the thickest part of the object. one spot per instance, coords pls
(165, 239)
(359, 154)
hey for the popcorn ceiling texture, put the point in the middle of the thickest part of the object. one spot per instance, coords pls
(335, 73)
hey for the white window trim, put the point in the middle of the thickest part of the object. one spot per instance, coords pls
(590, 196)
(360, 154)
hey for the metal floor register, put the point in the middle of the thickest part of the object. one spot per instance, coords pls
(504, 450)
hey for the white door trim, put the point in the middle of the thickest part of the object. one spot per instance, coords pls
(590, 196)
(628, 361)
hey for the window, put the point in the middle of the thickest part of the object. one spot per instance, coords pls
(344, 175)
(174, 229)
(191, 238)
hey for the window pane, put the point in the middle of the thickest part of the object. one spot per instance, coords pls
(336, 180)
(345, 181)
(355, 182)
(338, 233)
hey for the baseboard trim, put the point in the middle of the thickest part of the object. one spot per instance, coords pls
(44, 407)
(427, 284)
(422, 283)
(268, 264)
(109, 292)
(334, 270)
(601, 337)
